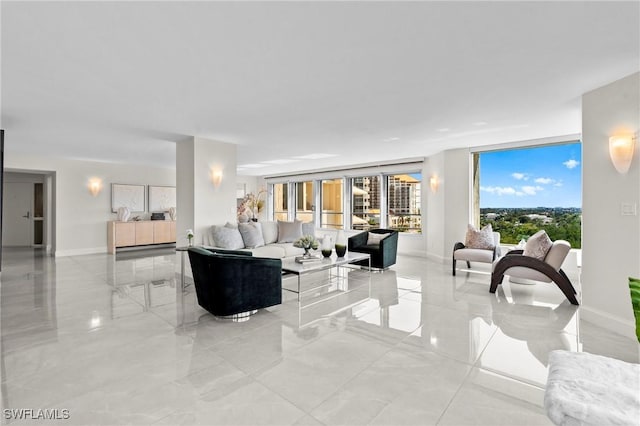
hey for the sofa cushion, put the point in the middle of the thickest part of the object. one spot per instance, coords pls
(251, 234)
(269, 231)
(289, 232)
(290, 250)
(479, 239)
(273, 251)
(227, 238)
(538, 245)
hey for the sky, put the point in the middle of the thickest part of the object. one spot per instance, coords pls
(548, 176)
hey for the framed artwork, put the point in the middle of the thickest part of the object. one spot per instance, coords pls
(131, 196)
(161, 198)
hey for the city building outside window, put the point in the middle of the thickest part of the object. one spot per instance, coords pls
(331, 199)
(403, 202)
(280, 201)
(304, 201)
(365, 202)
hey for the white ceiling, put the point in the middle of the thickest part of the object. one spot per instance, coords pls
(362, 81)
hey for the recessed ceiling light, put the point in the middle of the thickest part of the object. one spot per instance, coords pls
(316, 156)
(480, 123)
(392, 139)
(251, 166)
(443, 129)
(282, 161)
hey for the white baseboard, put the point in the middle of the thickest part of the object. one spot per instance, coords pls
(610, 322)
(438, 258)
(414, 253)
(80, 252)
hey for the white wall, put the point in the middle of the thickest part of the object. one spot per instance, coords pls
(610, 241)
(200, 202)
(81, 220)
(448, 209)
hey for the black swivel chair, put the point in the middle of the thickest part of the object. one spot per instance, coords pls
(383, 254)
(229, 283)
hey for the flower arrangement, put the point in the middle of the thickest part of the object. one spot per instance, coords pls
(252, 204)
(190, 236)
(307, 242)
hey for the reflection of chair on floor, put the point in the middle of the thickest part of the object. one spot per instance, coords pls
(542, 327)
(515, 264)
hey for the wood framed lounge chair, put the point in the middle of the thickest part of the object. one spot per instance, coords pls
(516, 264)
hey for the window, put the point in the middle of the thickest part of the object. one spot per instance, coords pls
(403, 202)
(521, 191)
(304, 201)
(384, 196)
(280, 201)
(365, 202)
(331, 199)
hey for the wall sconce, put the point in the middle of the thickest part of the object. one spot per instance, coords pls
(95, 186)
(434, 183)
(621, 151)
(216, 177)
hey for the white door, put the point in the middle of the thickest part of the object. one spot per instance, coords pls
(17, 214)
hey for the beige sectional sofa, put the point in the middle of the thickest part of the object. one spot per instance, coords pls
(272, 239)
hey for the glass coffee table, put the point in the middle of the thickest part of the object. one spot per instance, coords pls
(290, 266)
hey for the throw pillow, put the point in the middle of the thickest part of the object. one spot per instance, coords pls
(480, 239)
(289, 232)
(227, 238)
(374, 239)
(251, 234)
(269, 232)
(308, 228)
(538, 245)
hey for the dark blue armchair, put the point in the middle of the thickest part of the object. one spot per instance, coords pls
(229, 283)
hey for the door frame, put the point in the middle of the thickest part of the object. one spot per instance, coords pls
(49, 201)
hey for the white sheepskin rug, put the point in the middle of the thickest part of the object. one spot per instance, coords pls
(587, 389)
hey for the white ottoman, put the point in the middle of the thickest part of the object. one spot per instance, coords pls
(587, 389)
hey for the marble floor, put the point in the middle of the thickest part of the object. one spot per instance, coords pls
(114, 340)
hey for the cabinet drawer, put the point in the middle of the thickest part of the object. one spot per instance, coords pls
(162, 232)
(125, 234)
(144, 233)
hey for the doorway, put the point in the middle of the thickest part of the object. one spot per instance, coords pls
(24, 210)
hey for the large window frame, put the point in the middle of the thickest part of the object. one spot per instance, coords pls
(530, 221)
(342, 215)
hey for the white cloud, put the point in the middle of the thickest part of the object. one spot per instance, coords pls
(571, 164)
(544, 181)
(499, 190)
(558, 184)
(519, 176)
(531, 190)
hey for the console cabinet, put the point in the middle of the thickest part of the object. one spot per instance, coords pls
(139, 233)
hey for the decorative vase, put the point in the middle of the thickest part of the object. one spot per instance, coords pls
(123, 214)
(327, 246)
(191, 242)
(341, 243)
(306, 254)
(172, 213)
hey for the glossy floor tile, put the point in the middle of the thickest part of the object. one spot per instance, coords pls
(116, 340)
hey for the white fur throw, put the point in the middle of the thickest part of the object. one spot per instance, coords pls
(587, 389)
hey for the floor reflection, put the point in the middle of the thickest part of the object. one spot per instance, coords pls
(117, 340)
